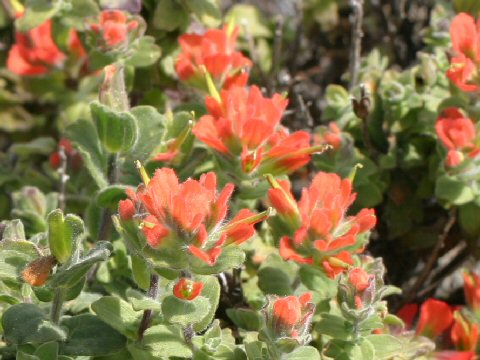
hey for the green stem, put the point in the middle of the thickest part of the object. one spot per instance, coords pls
(148, 314)
(56, 309)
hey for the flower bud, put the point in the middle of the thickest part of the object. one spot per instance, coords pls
(186, 289)
(454, 158)
(36, 273)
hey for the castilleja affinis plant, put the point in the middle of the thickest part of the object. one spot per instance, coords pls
(179, 186)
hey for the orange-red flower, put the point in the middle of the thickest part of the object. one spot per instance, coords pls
(454, 130)
(114, 27)
(325, 234)
(471, 289)
(190, 214)
(455, 355)
(186, 289)
(34, 51)
(407, 313)
(289, 317)
(244, 126)
(215, 51)
(330, 135)
(73, 158)
(464, 333)
(465, 42)
(359, 278)
(430, 324)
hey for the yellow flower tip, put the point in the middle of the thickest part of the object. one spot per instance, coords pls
(142, 172)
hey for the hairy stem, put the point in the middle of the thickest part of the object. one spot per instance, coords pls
(56, 309)
(148, 314)
(63, 178)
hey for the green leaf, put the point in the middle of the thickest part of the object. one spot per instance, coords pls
(89, 336)
(316, 280)
(14, 256)
(117, 130)
(38, 146)
(184, 312)
(207, 11)
(147, 53)
(37, 12)
(246, 319)
(162, 341)
(111, 195)
(64, 233)
(25, 323)
(275, 276)
(169, 15)
(141, 272)
(211, 291)
(386, 346)
(84, 137)
(47, 351)
(71, 273)
(452, 190)
(334, 326)
(12, 230)
(303, 353)
(231, 257)
(468, 217)
(252, 17)
(80, 10)
(345, 350)
(118, 314)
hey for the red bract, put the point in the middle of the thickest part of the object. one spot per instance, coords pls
(455, 355)
(114, 27)
(359, 278)
(190, 213)
(454, 158)
(34, 51)
(464, 333)
(290, 317)
(215, 51)
(407, 313)
(243, 126)
(430, 324)
(186, 289)
(326, 235)
(454, 130)
(471, 289)
(330, 136)
(72, 156)
(465, 42)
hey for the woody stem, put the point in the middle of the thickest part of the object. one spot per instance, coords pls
(148, 314)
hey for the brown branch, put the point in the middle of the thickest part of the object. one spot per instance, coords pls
(356, 41)
(433, 258)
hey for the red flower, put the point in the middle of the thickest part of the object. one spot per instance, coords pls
(325, 235)
(465, 42)
(114, 27)
(188, 215)
(290, 317)
(430, 323)
(330, 136)
(34, 51)
(455, 355)
(73, 157)
(359, 278)
(455, 131)
(214, 50)
(244, 125)
(407, 313)
(186, 289)
(464, 333)
(471, 289)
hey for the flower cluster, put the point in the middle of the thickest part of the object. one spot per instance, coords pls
(34, 51)
(289, 317)
(186, 289)
(242, 126)
(457, 133)
(114, 28)
(214, 52)
(322, 233)
(187, 216)
(465, 37)
(460, 325)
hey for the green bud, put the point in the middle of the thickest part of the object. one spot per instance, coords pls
(62, 233)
